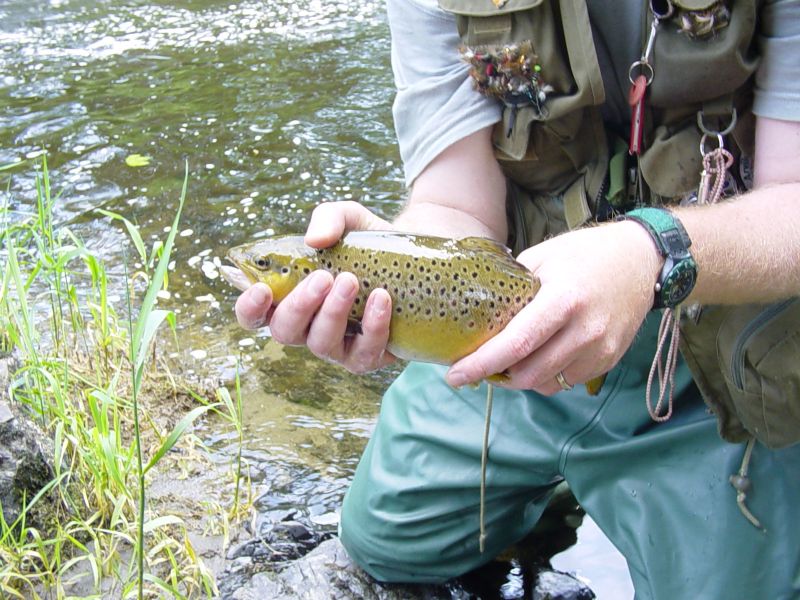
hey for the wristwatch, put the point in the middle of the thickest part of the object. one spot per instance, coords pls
(679, 273)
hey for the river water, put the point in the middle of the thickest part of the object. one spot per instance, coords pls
(276, 106)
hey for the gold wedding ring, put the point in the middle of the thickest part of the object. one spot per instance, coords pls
(563, 382)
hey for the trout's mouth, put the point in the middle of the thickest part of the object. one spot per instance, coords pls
(238, 256)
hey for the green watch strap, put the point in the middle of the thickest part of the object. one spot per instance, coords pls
(678, 274)
(657, 221)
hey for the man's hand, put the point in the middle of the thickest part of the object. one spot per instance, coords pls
(596, 289)
(315, 313)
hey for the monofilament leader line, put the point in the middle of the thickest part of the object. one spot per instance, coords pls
(484, 460)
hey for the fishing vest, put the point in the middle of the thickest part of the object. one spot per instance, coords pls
(565, 168)
(557, 152)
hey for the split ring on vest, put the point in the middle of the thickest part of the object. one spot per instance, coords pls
(704, 139)
(645, 68)
(708, 131)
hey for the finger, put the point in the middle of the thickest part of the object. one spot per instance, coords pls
(293, 316)
(235, 277)
(367, 351)
(253, 306)
(578, 358)
(331, 220)
(523, 335)
(327, 331)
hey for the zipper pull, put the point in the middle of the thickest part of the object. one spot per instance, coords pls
(636, 101)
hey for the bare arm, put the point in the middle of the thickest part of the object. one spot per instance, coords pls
(748, 250)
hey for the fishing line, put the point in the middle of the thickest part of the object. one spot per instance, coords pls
(484, 460)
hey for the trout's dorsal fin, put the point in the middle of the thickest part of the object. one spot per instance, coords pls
(499, 252)
(484, 244)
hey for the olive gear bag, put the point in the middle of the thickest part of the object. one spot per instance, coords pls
(746, 362)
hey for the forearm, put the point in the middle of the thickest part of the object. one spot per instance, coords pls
(748, 249)
(460, 193)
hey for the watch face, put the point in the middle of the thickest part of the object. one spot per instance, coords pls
(679, 282)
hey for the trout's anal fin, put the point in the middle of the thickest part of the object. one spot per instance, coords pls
(353, 327)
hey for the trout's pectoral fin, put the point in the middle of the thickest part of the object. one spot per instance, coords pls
(503, 377)
(353, 327)
(594, 385)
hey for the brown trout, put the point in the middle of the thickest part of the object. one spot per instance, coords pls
(448, 296)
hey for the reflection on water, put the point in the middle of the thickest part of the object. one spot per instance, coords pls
(276, 106)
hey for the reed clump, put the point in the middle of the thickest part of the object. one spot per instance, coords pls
(92, 377)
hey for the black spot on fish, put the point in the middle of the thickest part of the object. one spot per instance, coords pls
(306, 271)
(365, 282)
(398, 309)
(442, 313)
(436, 276)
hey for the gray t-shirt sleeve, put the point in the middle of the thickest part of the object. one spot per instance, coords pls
(777, 93)
(436, 104)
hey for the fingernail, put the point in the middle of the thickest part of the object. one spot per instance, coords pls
(379, 303)
(259, 294)
(344, 288)
(318, 283)
(456, 378)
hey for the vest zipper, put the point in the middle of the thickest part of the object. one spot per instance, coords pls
(760, 321)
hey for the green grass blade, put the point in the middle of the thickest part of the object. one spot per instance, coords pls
(176, 433)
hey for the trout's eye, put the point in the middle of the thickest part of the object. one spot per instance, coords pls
(262, 263)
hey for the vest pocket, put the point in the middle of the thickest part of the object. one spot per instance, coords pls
(759, 352)
(560, 35)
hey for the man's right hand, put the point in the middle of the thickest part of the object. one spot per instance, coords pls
(315, 313)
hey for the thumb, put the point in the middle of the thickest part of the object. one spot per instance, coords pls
(331, 220)
(253, 305)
